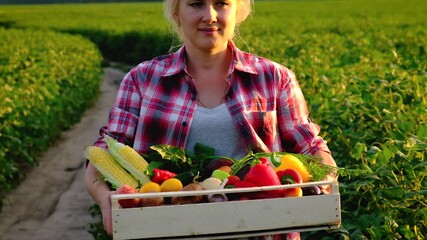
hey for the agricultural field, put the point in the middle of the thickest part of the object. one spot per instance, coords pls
(362, 65)
(48, 79)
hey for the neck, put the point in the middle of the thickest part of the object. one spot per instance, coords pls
(213, 61)
(209, 73)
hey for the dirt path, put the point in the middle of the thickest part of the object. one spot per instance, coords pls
(52, 203)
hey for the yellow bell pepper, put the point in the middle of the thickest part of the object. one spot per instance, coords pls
(289, 161)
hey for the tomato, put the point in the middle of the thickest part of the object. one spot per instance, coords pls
(128, 203)
(171, 185)
(150, 187)
(147, 188)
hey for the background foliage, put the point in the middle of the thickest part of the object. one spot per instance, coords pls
(124, 32)
(47, 80)
(362, 67)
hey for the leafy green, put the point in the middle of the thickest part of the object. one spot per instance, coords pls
(182, 162)
(175, 155)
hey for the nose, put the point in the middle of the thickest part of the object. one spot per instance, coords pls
(210, 15)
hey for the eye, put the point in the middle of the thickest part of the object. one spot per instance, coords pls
(222, 3)
(196, 4)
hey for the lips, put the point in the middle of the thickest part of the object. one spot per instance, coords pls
(209, 29)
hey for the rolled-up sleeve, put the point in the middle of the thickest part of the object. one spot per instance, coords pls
(299, 134)
(124, 115)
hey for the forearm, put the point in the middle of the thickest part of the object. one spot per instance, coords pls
(328, 160)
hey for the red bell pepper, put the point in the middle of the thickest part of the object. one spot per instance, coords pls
(231, 180)
(243, 184)
(264, 160)
(160, 175)
(245, 196)
(264, 175)
(289, 176)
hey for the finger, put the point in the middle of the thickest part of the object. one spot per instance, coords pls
(107, 222)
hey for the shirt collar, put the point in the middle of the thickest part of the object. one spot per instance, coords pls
(177, 63)
(240, 61)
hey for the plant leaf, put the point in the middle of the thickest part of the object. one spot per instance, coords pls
(175, 154)
(396, 193)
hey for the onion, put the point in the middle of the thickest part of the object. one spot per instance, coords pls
(211, 183)
(217, 198)
(189, 199)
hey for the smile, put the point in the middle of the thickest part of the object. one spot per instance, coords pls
(209, 29)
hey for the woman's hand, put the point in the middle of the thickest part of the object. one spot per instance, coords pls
(326, 189)
(101, 193)
(327, 159)
(105, 205)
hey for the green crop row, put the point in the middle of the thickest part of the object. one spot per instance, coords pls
(124, 32)
(362, 65)
(363, 69)
(47, 80)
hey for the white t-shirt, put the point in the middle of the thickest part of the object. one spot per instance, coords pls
(215, 128)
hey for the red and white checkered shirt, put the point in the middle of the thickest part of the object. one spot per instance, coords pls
(156, 103)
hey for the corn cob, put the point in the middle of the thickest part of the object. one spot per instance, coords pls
(109, 169)
(129, 159)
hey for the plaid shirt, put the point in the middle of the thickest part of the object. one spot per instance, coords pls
(156, 103)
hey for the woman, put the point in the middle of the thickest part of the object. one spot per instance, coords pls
(209, 92)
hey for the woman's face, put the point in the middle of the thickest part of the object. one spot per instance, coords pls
(207, 25)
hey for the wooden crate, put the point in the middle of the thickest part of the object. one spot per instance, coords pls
(232, 219)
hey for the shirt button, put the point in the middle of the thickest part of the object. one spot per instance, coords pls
(184, 124)
(193, 98)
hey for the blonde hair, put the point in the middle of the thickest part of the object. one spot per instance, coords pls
(170, 7)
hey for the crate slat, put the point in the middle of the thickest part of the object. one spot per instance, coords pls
(228, 218)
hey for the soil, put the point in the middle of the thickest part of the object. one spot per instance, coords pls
(52, 201)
